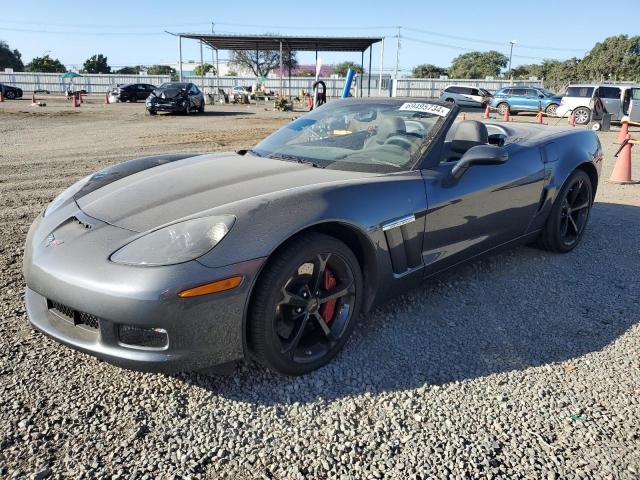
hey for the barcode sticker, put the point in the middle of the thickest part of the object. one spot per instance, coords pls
(426, 108)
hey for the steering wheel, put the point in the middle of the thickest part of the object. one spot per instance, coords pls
(400, 141)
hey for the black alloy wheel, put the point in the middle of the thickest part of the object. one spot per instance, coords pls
(305, 305)
(11, 95)
(569, 215)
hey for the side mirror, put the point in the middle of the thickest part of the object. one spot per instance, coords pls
(540, 96)
(479, 155)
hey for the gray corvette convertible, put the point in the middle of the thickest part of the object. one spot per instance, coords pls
(181, 262)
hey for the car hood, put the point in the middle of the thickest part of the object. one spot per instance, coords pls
(168, 92)
(163, 191)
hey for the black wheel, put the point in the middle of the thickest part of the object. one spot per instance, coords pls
(11, 95)
(503, 108)
(305, 305)
(133, 98)
(201, 107)
(551, 109)
(569, 214)
(187, 109)
(582, 115)
(152, 112)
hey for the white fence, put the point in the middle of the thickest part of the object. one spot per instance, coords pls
(403, 87)
(92, 83)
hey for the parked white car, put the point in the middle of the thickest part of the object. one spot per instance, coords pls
(619, 100)
(464, 95)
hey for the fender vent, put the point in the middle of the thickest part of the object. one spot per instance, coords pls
(404, 244)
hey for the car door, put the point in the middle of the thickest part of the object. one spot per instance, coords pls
(488, 206)
(532, 100)
(517, 99)
(611, 100)
(633, 109)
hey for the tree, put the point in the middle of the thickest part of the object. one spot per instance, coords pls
(129, 70)
(427, 70)
(341, 68)
(615, 58)
(198, 71)
(232, 73)
(10, 58)
(96, 64)
(45, 64)
(262, 62)
(523, 72)
(478, 64)
(162, 70)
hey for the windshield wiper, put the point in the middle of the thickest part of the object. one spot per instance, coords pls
(293, 158)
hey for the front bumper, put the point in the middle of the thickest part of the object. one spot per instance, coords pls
(166, 106)
(563, 111)
(202, 331)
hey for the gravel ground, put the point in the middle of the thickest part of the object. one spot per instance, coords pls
(524, 365)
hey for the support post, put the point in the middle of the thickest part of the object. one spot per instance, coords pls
(369, 78)
(281, 80)
(381, 68)
(217, 75)
(180, 43)
(362, 74)
(201, 68)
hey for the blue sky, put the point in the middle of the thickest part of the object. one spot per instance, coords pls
(434, 32)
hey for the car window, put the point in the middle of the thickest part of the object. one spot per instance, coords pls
(635, 93)
(532, 93)
(474, 91)
(142, 87)
(507, 91)
(359, 136)
(518, 92)
(194, 89)
(609, 92)
(584, 92)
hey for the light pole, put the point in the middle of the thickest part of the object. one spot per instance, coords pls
(512, 42)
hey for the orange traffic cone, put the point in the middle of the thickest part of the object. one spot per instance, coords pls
(539, 117)
(81, 99)
(506, 117)
(486, 112)
(76, 100)
(1, 95)
(464, 116)
(572, 119)
(106, 98)
(33, 97)
(624, 131)
(622, 169)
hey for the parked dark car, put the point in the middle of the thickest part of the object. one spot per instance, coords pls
(183, 261)
(10, 92)
(132, 92)
(182, 97)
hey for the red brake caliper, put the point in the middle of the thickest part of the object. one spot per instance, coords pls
(328, 309)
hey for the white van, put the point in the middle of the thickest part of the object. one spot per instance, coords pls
(619, 100)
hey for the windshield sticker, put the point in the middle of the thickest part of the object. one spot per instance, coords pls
(426, 108)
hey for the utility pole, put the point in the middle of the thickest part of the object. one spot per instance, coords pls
(512, 42)
(397, 53)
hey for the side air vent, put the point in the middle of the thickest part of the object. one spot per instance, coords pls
(403, 240)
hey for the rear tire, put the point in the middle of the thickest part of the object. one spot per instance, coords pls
(569, 215)
(133, 98)
(11, 95)
(290, 330)
(152, 112)
(503, 108)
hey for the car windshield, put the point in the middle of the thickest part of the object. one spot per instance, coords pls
(357, 135)
(485, 92)
(172, 85)
(547, 93)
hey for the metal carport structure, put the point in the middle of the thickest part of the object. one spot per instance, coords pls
(278, 42)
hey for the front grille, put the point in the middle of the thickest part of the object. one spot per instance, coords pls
(143, 337)
(74, 316)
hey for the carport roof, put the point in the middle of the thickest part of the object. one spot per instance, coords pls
(291, 43)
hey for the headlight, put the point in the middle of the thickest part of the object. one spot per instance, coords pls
(66, 195)
(175, 243)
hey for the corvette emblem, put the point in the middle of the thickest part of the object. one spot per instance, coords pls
(53, 241)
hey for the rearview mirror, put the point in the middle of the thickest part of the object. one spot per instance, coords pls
(479, 155)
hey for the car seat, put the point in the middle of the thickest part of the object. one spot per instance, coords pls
(464, 135)
(388, 127)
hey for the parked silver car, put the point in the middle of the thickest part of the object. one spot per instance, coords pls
(619, 100)
(466, 96)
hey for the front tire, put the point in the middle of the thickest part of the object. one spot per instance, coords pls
(305, 305)
(551, 109)
(201, 108)
(569, 215)
(11, 95)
